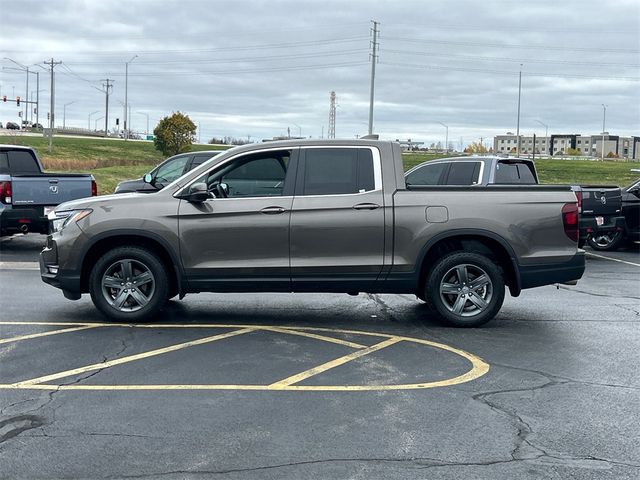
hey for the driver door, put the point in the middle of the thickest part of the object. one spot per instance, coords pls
(239, 240)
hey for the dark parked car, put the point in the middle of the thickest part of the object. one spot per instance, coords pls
(631, 211)
(165, 173)
(12, 126)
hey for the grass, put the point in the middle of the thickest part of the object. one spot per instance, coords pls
(112, 161)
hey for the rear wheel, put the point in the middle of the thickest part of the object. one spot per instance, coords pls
(466, 289)
(129, 284)
(605, 240)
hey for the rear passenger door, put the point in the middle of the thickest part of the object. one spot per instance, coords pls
(337, 219)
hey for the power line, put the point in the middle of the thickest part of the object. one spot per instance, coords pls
(234, 60)
(510, 59)
(507, 72)
(161, 73)
(508, 45)
(331, 41)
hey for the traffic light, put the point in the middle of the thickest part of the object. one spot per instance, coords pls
(117, 121)
(4, 98)
(17, 101)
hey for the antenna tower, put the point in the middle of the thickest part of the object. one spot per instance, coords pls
(332, 116)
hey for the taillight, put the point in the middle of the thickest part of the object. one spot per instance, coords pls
(570, 221)
(5, 192)
(579, 197)
(94, 188)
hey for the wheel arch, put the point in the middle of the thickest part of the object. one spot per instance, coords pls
(147, 240)
(473, 240)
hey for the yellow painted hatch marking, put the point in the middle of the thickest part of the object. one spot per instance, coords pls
(314, 336)
(478, 366)
(45, 334)
(131, 358)
(332, 364)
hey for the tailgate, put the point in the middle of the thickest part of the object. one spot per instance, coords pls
(49, 190)
(601, 200)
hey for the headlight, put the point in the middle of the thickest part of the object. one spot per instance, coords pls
(60, 219)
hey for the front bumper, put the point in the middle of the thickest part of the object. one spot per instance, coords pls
(67, 281)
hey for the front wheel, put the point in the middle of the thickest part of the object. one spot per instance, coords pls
(466, 289)
(129, 284)
(605, 240)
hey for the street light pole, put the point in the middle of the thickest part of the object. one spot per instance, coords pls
(89, 122)
(446, 141)
(146, 115)
(126, 95)
(95, 124)
(518, 125)
(546, 132)
(604, 116)
(64, 114)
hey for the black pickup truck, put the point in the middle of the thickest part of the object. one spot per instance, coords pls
(601, 222)
(28, 194)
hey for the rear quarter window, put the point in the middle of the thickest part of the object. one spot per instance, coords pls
(429, 174)
(510, 173)
(22, 162)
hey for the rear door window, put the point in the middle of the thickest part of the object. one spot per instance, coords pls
(338, 171)
(463, 173)
(510, 173)
(429, 174)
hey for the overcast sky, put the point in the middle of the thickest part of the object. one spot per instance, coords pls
(256, 68)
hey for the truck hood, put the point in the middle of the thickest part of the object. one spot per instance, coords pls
(91, 202)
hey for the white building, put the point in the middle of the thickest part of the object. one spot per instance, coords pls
(584, 145)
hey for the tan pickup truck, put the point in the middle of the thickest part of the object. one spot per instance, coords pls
(314, 216)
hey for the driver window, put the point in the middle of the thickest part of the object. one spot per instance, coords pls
(256, 175)
(171, 170)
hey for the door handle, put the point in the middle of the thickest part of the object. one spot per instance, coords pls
(366, 206)
(272, 210)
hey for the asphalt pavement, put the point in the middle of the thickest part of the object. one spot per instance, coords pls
(318, 386)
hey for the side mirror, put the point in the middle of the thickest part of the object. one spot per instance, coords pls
(147, 178)
(197, 193)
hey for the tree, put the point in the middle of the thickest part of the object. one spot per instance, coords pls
(475, 147)
(174, 134)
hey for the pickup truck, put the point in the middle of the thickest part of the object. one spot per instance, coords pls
(314, 216)
(473, 170)
(601, 221)
(28, 194)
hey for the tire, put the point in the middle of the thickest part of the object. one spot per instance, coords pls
(465, 305)
(605, 241)
(129, 298)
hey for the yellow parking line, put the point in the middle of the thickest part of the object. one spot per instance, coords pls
(291, 331)
(332, 364)
(131, 358)
(44, 334)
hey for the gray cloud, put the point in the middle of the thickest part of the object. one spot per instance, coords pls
(257, 68)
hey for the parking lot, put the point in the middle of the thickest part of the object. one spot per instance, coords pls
(321, 385)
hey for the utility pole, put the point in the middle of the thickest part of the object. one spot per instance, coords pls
(604, 116)
(37, 97)
(518, 126)
(126, 91)
(374, 59)
(107, 89)
(52, 107)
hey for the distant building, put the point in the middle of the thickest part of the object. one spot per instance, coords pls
(559, 144)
